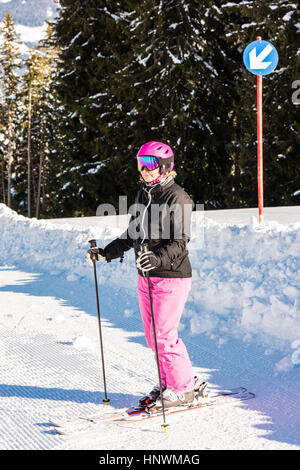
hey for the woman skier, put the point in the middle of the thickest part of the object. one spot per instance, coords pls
(162, 220)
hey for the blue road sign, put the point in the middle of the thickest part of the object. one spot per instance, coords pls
(260, 57)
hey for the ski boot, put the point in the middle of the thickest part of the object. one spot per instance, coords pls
(171, 399)
(148, 401)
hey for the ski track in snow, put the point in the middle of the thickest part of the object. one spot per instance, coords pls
(51, 368)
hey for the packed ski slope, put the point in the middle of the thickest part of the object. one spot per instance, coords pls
(241, 326)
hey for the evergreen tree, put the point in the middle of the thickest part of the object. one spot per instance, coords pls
(135, 75)
(9, 65)
(53, 173)
(90, 42)
(34, 167)
(178, 87)
(277, 23)
(172, 70)
(3, 185)
(34, 82)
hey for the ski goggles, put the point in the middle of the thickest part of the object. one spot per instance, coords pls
(150, 163)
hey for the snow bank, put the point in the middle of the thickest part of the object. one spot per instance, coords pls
(246, 283)
(246, 280)
(39, 244)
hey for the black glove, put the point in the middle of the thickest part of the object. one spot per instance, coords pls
(95, 254)
(147, 261)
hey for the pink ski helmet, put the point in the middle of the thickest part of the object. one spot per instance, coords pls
(161, 151)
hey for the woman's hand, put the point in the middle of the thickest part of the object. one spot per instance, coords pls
(95, 254)
(147, 261)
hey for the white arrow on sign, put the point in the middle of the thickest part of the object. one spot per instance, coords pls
(256, 62)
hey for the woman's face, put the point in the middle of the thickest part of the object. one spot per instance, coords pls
(150, 175)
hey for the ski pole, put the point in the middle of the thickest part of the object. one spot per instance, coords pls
(145, 248)
(93, 244)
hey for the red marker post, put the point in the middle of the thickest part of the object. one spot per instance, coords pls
(260, 58)
(260, 178)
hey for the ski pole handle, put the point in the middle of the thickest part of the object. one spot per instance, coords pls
(144, 247)
(93, 243)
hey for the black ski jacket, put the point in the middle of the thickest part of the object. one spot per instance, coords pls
(161, 217)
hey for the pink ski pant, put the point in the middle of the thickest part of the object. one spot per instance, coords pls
(168, 297)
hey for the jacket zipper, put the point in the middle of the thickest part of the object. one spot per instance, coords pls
(143, 218)
(145, 211)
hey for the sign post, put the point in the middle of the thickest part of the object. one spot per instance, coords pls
(254, 60)
(260, 179)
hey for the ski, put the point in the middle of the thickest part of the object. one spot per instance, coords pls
(135, 414)
(142, 408)
(57, 423)
(153, 413)
(124, 419)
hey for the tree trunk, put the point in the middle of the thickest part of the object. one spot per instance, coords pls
(29, 153)
(37, 213)
(9, 155)
(3, 181)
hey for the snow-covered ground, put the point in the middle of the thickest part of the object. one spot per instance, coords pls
(241, 326)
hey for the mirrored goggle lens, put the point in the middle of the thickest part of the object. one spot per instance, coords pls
(150, 163)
